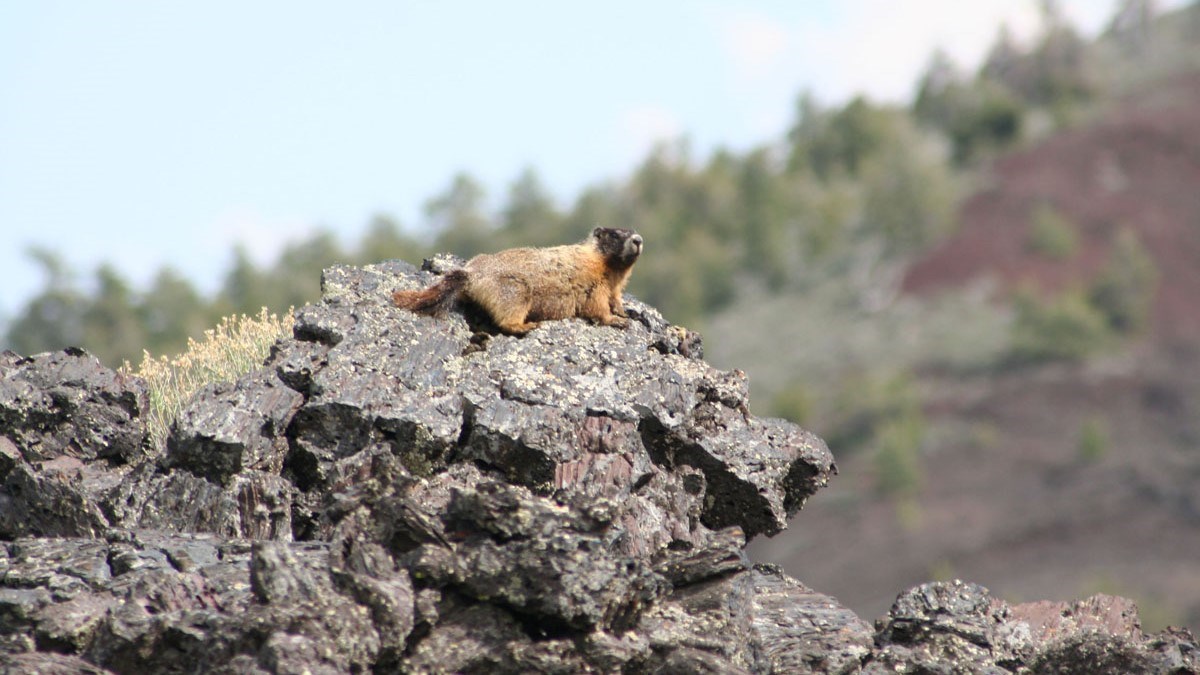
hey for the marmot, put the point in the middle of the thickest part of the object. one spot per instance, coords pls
(519, 287)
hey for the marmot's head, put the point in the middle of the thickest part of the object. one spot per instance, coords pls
(621, 247)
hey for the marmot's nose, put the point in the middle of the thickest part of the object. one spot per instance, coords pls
(637, 240)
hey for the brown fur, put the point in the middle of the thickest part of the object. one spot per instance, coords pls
(520, 287)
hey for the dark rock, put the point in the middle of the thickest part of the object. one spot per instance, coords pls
(52, 498)
(368, 573)
(253, 504)
(131, 604)
(721, 554)
(956, 611)
(797, 630)
(782, 627)
(401, 493)
(47, 663)
(67, 403)
(275, 579)
(1101, 634)
(956, 627)
(68, 429)
(472, 638)
(553, 565)
(230, 427)
(944, 627)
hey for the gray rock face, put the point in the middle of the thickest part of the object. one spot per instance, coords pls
(959, 628)
(67, 404)
(394, 492)
(230, 427)
(69, 429)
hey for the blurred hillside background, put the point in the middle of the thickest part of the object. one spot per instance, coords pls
(982, 288)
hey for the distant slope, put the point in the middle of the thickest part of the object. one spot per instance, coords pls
(1138, 168)
(1010, 496)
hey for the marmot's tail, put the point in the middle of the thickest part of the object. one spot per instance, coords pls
(433, 300)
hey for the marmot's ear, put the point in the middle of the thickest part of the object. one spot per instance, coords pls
(596, 231)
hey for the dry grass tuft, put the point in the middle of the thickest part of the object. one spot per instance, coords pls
(238, 345)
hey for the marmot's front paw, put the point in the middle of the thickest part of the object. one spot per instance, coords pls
(619, 322)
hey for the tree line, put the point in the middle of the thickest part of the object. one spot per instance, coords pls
(850, 188)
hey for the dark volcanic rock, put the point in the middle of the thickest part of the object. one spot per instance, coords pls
(67, 403)
(399, 493)
(233, 426)
(253, 504)
(68, 428)
(959, 628)
(556, 565)
(570, 410)
(797, 630)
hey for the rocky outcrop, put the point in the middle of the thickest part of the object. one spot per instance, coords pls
(403, 493)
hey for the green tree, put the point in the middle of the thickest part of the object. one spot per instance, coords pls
(458, 219)
(384, 240)
(53, 319)
(530, 216)
(1124, 292)
(112, 327)
(793, 403)
(295, 279)
(171, 312)
(825, 214)
(976, 116)
(764, 230)
(908, 193)
(601, 206)
(942, 93)
(865, 404)
(1005, 60)
(245, 290)
(1132, 23)
(839, 143)
(1062, 67)
(660, 194)
(992, 121)
(687, 280)
(1051, 233)
(898, 455)
(1067, 327)
(1056, 74)
(1093, 442)
(811, 123)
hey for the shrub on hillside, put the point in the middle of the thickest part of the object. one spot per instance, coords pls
(1093, 441)
(1124, 291)
(1064, 327)
(897, 457)
(1051, 233)
(793, 403)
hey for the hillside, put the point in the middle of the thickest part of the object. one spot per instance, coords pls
(1138, 168)
(1059, 478)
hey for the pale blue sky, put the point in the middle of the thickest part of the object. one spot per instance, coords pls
(149, 133)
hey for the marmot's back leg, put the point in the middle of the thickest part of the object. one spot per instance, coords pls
(511, 320)
(517, 328)
(508, 301)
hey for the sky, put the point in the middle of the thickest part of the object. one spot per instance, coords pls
(147, 134)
